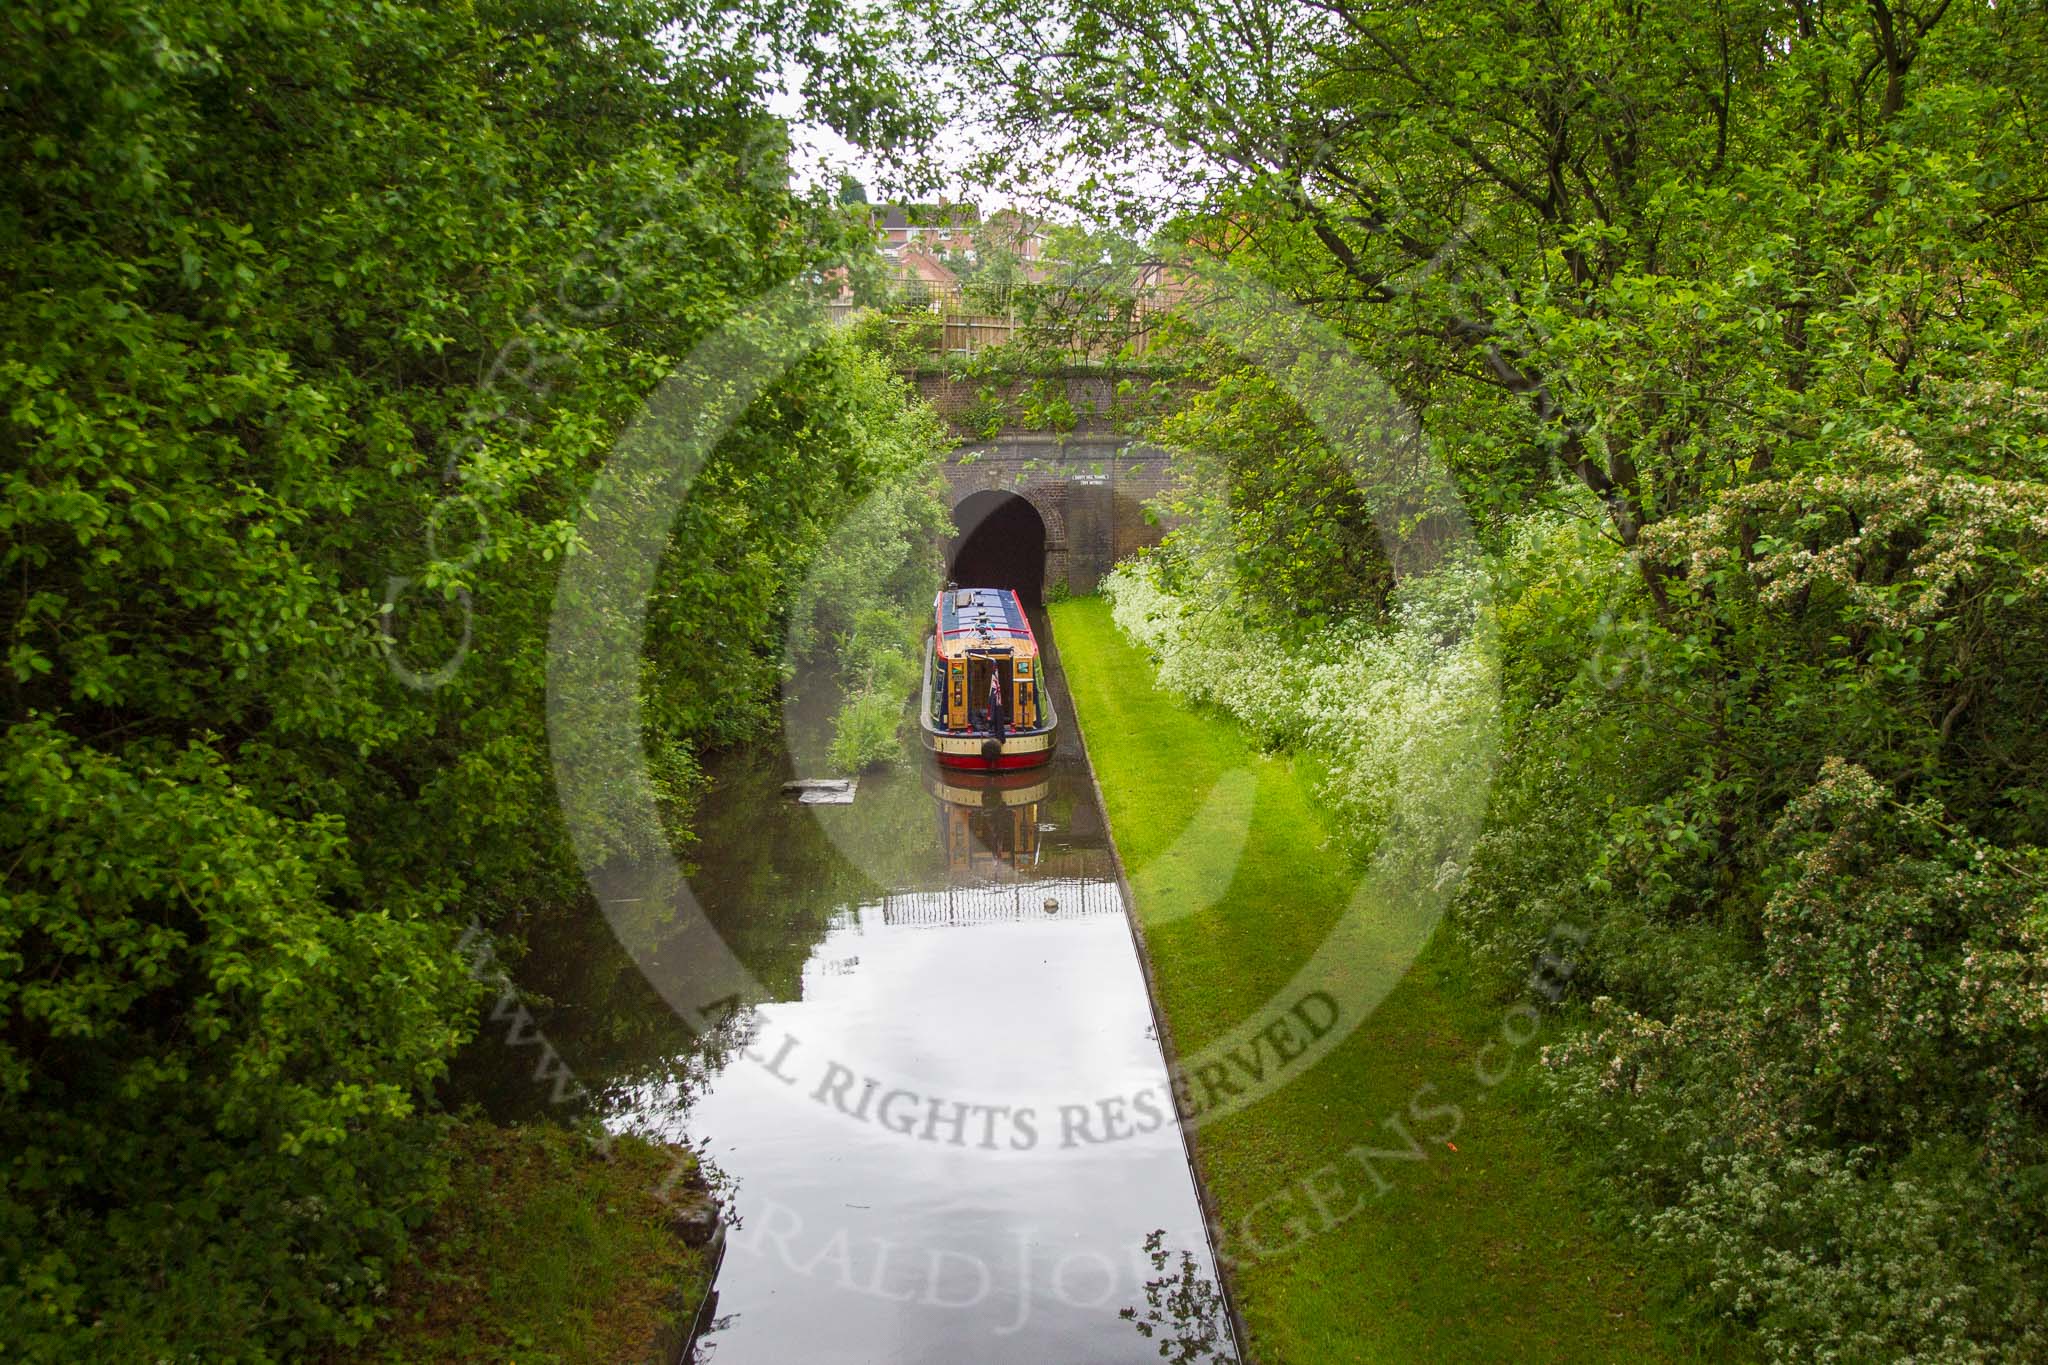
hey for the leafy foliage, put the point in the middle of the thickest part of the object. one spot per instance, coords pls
(865, 604)
(1813, 1034)
(1403, 714)
(319, 318)
(1600, 243)
(865, 733)
(1728, 326)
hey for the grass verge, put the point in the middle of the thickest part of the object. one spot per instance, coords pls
(1479, 1250)
(546, 1253)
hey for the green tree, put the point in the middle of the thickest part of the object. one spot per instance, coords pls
(319, 318)
(1585, 239)
(1730, 325)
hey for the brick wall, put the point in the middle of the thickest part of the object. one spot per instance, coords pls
(1090, 491)
(1090, 485)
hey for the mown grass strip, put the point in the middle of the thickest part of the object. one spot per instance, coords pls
(1479, 1250)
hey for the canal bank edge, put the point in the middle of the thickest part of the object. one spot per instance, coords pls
(677, 1344)
(549, 1243)
(1163, 1029)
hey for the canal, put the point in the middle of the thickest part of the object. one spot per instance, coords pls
(943, 1129)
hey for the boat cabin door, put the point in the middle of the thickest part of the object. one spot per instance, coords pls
(979, 666)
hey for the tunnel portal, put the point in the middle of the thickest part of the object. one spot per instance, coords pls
(999, 542)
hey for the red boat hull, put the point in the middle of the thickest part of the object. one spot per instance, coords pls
(975, 763)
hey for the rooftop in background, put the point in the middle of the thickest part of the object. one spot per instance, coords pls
(942, 215)
(957, 229)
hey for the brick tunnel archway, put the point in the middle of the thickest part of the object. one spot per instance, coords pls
(1000, 541)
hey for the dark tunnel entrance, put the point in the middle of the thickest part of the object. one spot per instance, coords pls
(999, 542)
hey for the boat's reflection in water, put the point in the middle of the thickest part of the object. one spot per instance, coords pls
(988, 825)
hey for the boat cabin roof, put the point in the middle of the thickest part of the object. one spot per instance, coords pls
(983, 621)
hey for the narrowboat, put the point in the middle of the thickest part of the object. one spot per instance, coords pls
(985, 706)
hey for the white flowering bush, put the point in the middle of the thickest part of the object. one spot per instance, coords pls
(1791, 793)
(1787, 789)
(1404, 714)
(1837, 1259)
(1842, 1142)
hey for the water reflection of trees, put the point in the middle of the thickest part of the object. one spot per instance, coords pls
(1184, 1312)
(768, 877)
(771, 879)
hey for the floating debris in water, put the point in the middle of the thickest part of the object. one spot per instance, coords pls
(1051, 906)
(821, 791)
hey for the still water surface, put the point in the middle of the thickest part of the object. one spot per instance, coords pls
(944, 1122)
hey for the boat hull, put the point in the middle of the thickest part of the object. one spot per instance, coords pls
(967, 751)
